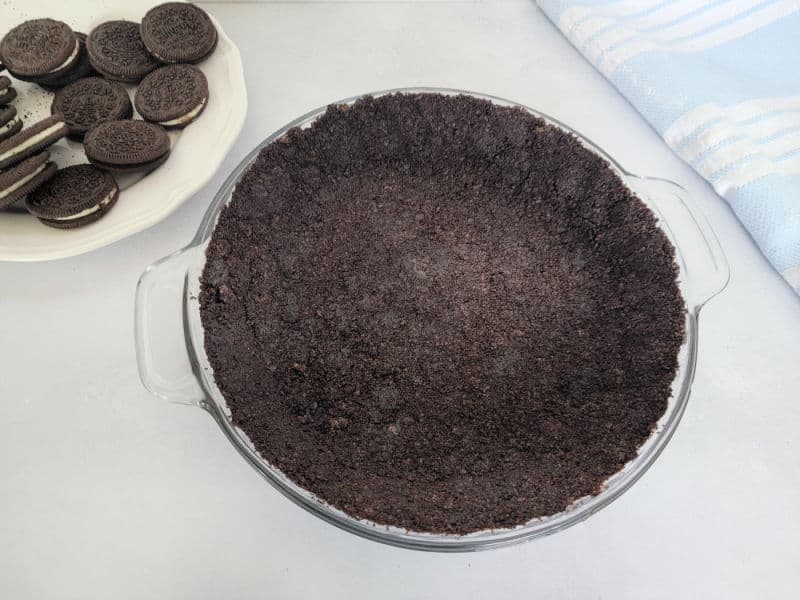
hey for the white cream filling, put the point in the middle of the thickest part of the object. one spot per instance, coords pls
(31, 141)
(185, 118)
(10, 190)
(69, 60)
(11, 124)
(88, 211)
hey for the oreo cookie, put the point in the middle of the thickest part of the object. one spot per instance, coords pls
(25, 177)
(32, 140)
(172, 96)
(89, 102)
(75, 196)
(127, 146)
(10, 124)
(116, 51)
(7, 93)
(81, 68)
(178, 32)
(39, 47)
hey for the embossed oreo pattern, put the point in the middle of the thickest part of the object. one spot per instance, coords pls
(177, 32)
(171, 92)
(37, 47)
(89, 102)
(126, 143)
(72, 190)
(116, 50)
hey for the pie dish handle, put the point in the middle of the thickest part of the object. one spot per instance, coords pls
(704, 268)
(161, 331)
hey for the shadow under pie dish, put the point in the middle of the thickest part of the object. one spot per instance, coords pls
(438, 319)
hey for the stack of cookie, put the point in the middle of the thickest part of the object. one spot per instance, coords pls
(24, 166)
(91, 77)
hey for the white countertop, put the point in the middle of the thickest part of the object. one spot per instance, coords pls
(107, 492)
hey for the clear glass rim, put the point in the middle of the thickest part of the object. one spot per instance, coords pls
(484, 540)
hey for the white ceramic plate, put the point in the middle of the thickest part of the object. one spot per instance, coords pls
(197, 151)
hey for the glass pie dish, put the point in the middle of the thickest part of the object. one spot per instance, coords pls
(173, 364)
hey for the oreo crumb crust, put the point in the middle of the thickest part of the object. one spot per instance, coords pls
(89, 102)
(37, 47)
(21, 179)
(125, 146)
(441, 314)
(116, 51)
(74, 190)
(32, 140)
(178, 32)
(172, 96)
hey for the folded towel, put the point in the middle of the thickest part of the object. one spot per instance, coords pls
(720, 81)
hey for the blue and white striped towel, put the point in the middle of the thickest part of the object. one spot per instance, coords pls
(720, 81)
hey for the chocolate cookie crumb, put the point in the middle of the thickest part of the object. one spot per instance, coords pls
(441, 314)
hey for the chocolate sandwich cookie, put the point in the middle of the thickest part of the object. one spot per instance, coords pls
(38, 48)
(172, 96)
(127, 146)
(81, 68)
(178, 32)
(7, 93)
(75, 196)
(25, 177)
(117, 52)
(32, 140)
(10, 124)
(89, 102)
